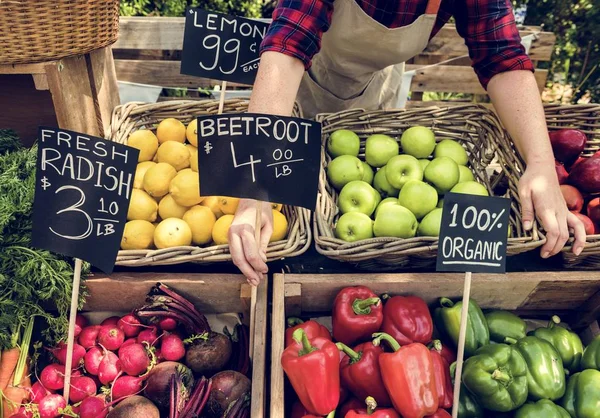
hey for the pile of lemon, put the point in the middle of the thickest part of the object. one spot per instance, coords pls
(166, 209)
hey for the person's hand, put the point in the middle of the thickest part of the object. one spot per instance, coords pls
(539, 190)
(247, 254)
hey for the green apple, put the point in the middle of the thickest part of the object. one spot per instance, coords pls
(394, 220)
(440, 203)
(357, 196)
(343, 170)
(401, 169)
(465, 174)
(384, 202)
(470, 187)
(418, 197)
(379, 149)
(367, 173)
(377, 198)
(382, 185)
(452, 149)
(424, 163)
(418, 141)
(354, 226)
(442, 173)
(431, 224)
(343, 142)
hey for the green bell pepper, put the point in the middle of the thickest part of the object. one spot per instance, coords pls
(545, 372)
(468, 406)
(497, 376)
(447, 321)
(503, 324)
(591, 355)
(567, 343)
(541, 409)
(582, 398)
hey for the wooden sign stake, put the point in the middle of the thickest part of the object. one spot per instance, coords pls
(460, 355)
(71, 334)
(222, 98)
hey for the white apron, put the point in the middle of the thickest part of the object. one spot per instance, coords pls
(361, 62)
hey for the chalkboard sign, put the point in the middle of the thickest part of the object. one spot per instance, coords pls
(474, 234)
(221, 47)
(82, 191)
(264, 157)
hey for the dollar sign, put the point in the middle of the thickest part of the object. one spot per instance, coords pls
(45, 183)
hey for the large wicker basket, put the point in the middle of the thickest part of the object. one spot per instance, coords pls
(132, 116)
(474, 126)
(45, 30)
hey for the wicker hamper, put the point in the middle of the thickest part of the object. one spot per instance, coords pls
(474, 126)
(46, 30)
(132, 116)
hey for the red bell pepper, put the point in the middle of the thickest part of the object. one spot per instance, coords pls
(312, 328)
(313, 368)
(407, 319)
(352, 403)
(441, 413)
(443, 380)
(371, 411)
(331, 415)
(448, 353)
(357, 313)
(408, 377)
(359, 372)
(298, 410)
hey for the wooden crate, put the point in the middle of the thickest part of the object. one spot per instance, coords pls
(575, 296)
(211, 293)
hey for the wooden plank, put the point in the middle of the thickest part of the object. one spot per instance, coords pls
(277, 346)
(105, 89)
(39, 68)
(259, 358)
(40, 81)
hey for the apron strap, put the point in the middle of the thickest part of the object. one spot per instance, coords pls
(433, 6)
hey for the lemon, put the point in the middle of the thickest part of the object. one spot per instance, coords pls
(168, 208)
(146, 142)
(221, 229)
(192, 132)
(185, 188)
(170, 129)
(277, 206)
(137, 235)
(201, 221)
(280, 226)
(228, 205)
(193, 157)
(140, 172)
(175, 154)
(157, 179)
(172, 232)
(142, 207)
(212, 202)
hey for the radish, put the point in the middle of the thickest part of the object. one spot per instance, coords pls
(38, 391)
(20, 415)
(60, 352)
(81, 388)
(130, 325)
(80, 323)
(110, 337)
(127, 386)
(167, 324)
(127, 342)
(88, 336)
(172, 348)
(53, 377)
(111, 321)
(93, 407)
(109, 368)
(134, 359)
(159, 356)
(149, 335)
(49, 406)
(92, 360)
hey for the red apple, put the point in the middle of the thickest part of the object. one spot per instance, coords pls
(586, 175)
(593, 210)
(590, 228)
(573, 197)
(567, 144)
(579, 160)
(561, 172)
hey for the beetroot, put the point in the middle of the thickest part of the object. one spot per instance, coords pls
(134, 359)
(167, 324)
(110, 337)
(80, 323)
(135, 406)
(53, 377)
(149, 335)
(87, 337)
(172, 348)
(111, 321)
(158, 387)
(38, 391)
(60, 352)
(93, 407)
(130, 325)
(127, 386)
(81, 388)
(227, 387)
(109, 368)
(206, 356)
(92, 360)
(50, 405)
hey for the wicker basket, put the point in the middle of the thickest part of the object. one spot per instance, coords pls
(132, 116)
(45, 30)
(472, 125)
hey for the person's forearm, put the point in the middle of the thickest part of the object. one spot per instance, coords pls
(276, 84)
(517, 101)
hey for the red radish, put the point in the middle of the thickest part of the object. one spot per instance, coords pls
(53, 377)
(60, 352)
(80, 323)
(134, 359)
(172, 348)
(127, 386)
(81, 388)
(88, 336)
(167, 324)
(130, 325)
(38, 391)
(159, 356)
(110, 367)
(92, 360)
(110, 337)
(111, 321)
(93, 407)
(127, 342)
(50, 405)
(149, 335)
(21, 414)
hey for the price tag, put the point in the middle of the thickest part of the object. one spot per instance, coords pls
(264, 157)
(82, 191)
(474, 234)
(221, 47)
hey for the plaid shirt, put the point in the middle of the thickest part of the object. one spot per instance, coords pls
(488, 27)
